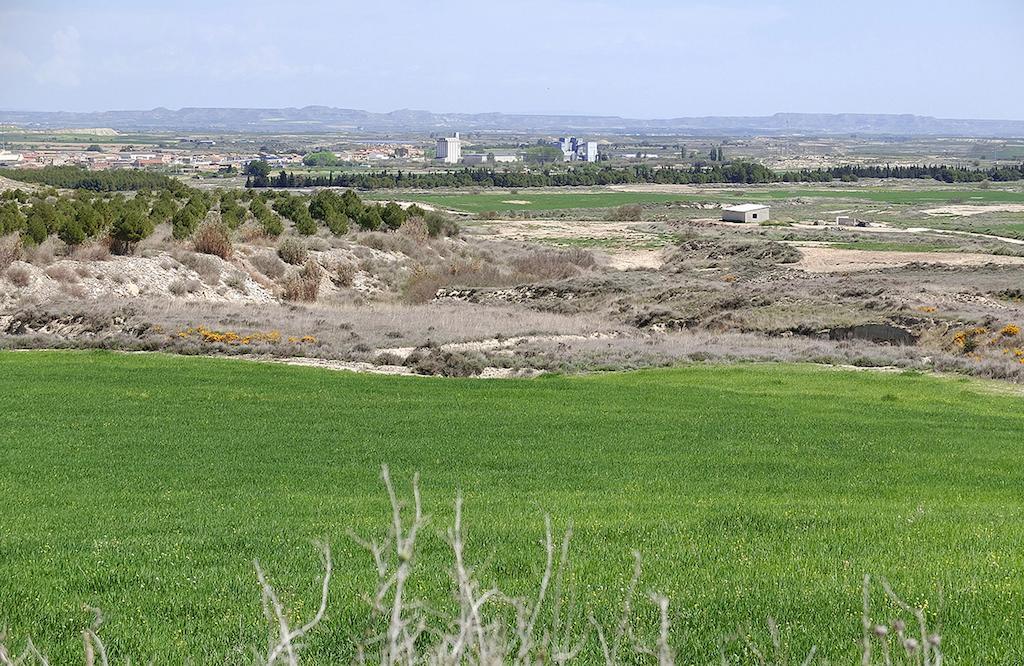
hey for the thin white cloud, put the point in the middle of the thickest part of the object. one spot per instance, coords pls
(63, 65)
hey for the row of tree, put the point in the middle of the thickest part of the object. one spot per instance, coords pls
(76, 178)
(591, 175)
(83, 215)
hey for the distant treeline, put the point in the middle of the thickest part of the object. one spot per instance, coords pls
(584, 176)
(944, 173)
(76, 178)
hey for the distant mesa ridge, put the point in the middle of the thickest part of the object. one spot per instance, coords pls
(330, 119)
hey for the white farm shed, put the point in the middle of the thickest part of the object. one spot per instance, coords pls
(745, 213)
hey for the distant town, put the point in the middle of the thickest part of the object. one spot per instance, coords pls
(197, 155)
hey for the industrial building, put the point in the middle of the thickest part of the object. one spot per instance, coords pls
(488, 158)
(574, 150)
(449, 149)
(745, 213)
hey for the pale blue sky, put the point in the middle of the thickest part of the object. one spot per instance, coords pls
(637, 58)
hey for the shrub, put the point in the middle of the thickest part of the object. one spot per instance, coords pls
(305, 285)
(434, 361)
(269, 264)
(440, 225)
(129, 228)
(1010, 331)
(304, 224)
(626, 213)
(10, 250)
(207, 267)
(213, 238)
(62, 273)
(293, 251)
(370, 219)
(71, 232)
(414, 228)
(344, 274)
(19, 275)
(95, 251)
(182, 287)
(338, 222)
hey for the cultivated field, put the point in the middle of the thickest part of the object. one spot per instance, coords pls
(146, 484)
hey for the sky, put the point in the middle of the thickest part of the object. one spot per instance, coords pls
(632, 58)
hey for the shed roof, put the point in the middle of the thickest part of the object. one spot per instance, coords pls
(745, 208)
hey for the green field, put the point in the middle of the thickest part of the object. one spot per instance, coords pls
(892, 246)
(569, 199)
(146, 484)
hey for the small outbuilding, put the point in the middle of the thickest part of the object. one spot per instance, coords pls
(745, 213)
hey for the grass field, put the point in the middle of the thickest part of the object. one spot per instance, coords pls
(892, 246)
(569, 199)
(146, 484)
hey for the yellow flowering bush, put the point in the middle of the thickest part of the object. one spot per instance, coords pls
(232, 338)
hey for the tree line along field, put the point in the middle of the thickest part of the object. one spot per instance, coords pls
(527, 200)
(145, 485)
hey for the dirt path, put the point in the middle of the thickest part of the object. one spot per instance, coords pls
(817, 259)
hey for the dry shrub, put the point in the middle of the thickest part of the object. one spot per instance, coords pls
(10, 250)
(434, 361)
(42, 254)
(318, 244)
(627, 213)
(553, 264)
(344, 274)
(423, 284)
(95, 251)
(18, 274)
(269, 264)
(206, 265)
(182, 287)
(74, 289)
(293, 251)
(236, 280)
(389, 242)
(304, 285)
(62, 273)
(213, 238)
(414, 228)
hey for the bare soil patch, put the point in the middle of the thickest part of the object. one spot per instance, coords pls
(969, 210)
(817, 259)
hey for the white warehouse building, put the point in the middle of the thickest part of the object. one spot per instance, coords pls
(449, 149)
(745, 213)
